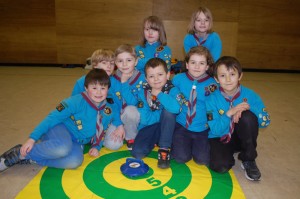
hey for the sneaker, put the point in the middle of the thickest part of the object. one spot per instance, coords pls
(27, 161)
(251, 170)
(130, 144)
(163, 158)
(10, 157)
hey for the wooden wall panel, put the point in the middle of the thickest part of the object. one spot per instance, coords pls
(268, 36)
(27, 31)
(84, 26)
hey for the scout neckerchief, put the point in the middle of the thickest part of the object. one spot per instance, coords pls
(134, 77)
(226, 138)
(192, 103)
(99, 126)
(198, 40)
(151, 99)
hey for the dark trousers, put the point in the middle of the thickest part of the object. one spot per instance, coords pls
(189, 145)
(243, 140)
(160, 133)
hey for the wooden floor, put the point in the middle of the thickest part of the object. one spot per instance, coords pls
(29, 93)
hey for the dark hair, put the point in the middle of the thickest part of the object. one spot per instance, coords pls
(201, 50)
(95, 76)
(230, 63)
(155, 62)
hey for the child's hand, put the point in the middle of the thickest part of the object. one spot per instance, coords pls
(118, 134)
(237, 116)
(238, 108)
(93, 152)
(26, 147)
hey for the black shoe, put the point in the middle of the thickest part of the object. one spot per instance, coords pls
(251, 170)
(129, 144)
(10, 157)
(163, 159)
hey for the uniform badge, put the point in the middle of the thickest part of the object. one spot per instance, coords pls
(60, 107)
(209, 116)
(221, 112)
(140, 104)
(264, 110)
(78, 122)
(160, 48)
(118, 94)
(245, 100)
(107, 110)
(72, 117)
(212, 87)
(79, 127)
(263, 124)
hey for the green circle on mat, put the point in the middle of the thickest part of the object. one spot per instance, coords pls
(221, 187)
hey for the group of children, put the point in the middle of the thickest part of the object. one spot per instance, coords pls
(202, 114)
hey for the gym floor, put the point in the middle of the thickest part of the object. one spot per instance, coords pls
(28, 94)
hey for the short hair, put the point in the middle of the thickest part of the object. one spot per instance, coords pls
(201, 50)
(102, 55)
(230, 63)
(191, 27)
(155, 62)
(95, 76)
(126, 48)
(154, 23)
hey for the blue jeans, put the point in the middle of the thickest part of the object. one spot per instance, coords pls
(56, 149)
(160, 133)
(189, 145)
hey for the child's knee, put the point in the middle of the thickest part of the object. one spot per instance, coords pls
(110, 144)
(62, 150)
(74, 162)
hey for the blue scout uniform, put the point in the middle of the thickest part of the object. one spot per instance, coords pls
(213, 43)
(79, 117)
(170, 102)
(217, 107)
(151, 51)
(203, 89)
(130, 86)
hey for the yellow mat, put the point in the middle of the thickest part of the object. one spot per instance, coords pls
(102, 178)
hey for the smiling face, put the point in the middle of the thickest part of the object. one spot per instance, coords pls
(202, 23)
(197, 65)
(228, 78)
(157, 77)
(97, 92)
(126, 62)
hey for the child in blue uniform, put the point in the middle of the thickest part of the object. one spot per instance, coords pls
(158, 103)
(127, 80)
(58, 140)
(190, 139)
(200, 33)
(153, 43)
(104, 59)
(235, 114)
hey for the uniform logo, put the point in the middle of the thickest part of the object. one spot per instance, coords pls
(160, 48)
(221, 112)
(245, 100)
(140, 104)
(60, 107)
(209, 116)
(107, 110)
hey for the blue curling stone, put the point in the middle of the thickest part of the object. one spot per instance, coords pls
(134, 168)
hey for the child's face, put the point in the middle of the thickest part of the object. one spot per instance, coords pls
(126, 62)
(197, 65)
(151, 35)
(228, 79)
(202, 23)
(157, 77)
(97, 92)
(107, 65)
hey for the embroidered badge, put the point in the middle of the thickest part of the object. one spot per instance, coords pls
(212, 87)
(206, 93)
(118, 94)
(78, 122)
(245, 100)
(72, 117)
(209, 116)
(79, 127)
(60, 107)
(159, 49)
(107, 110)
(264, 110)
(140, 104)
(221, 112)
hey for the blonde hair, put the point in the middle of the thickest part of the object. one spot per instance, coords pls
(102, 55)
(191, 27)
(155, 23)
(126, 48)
